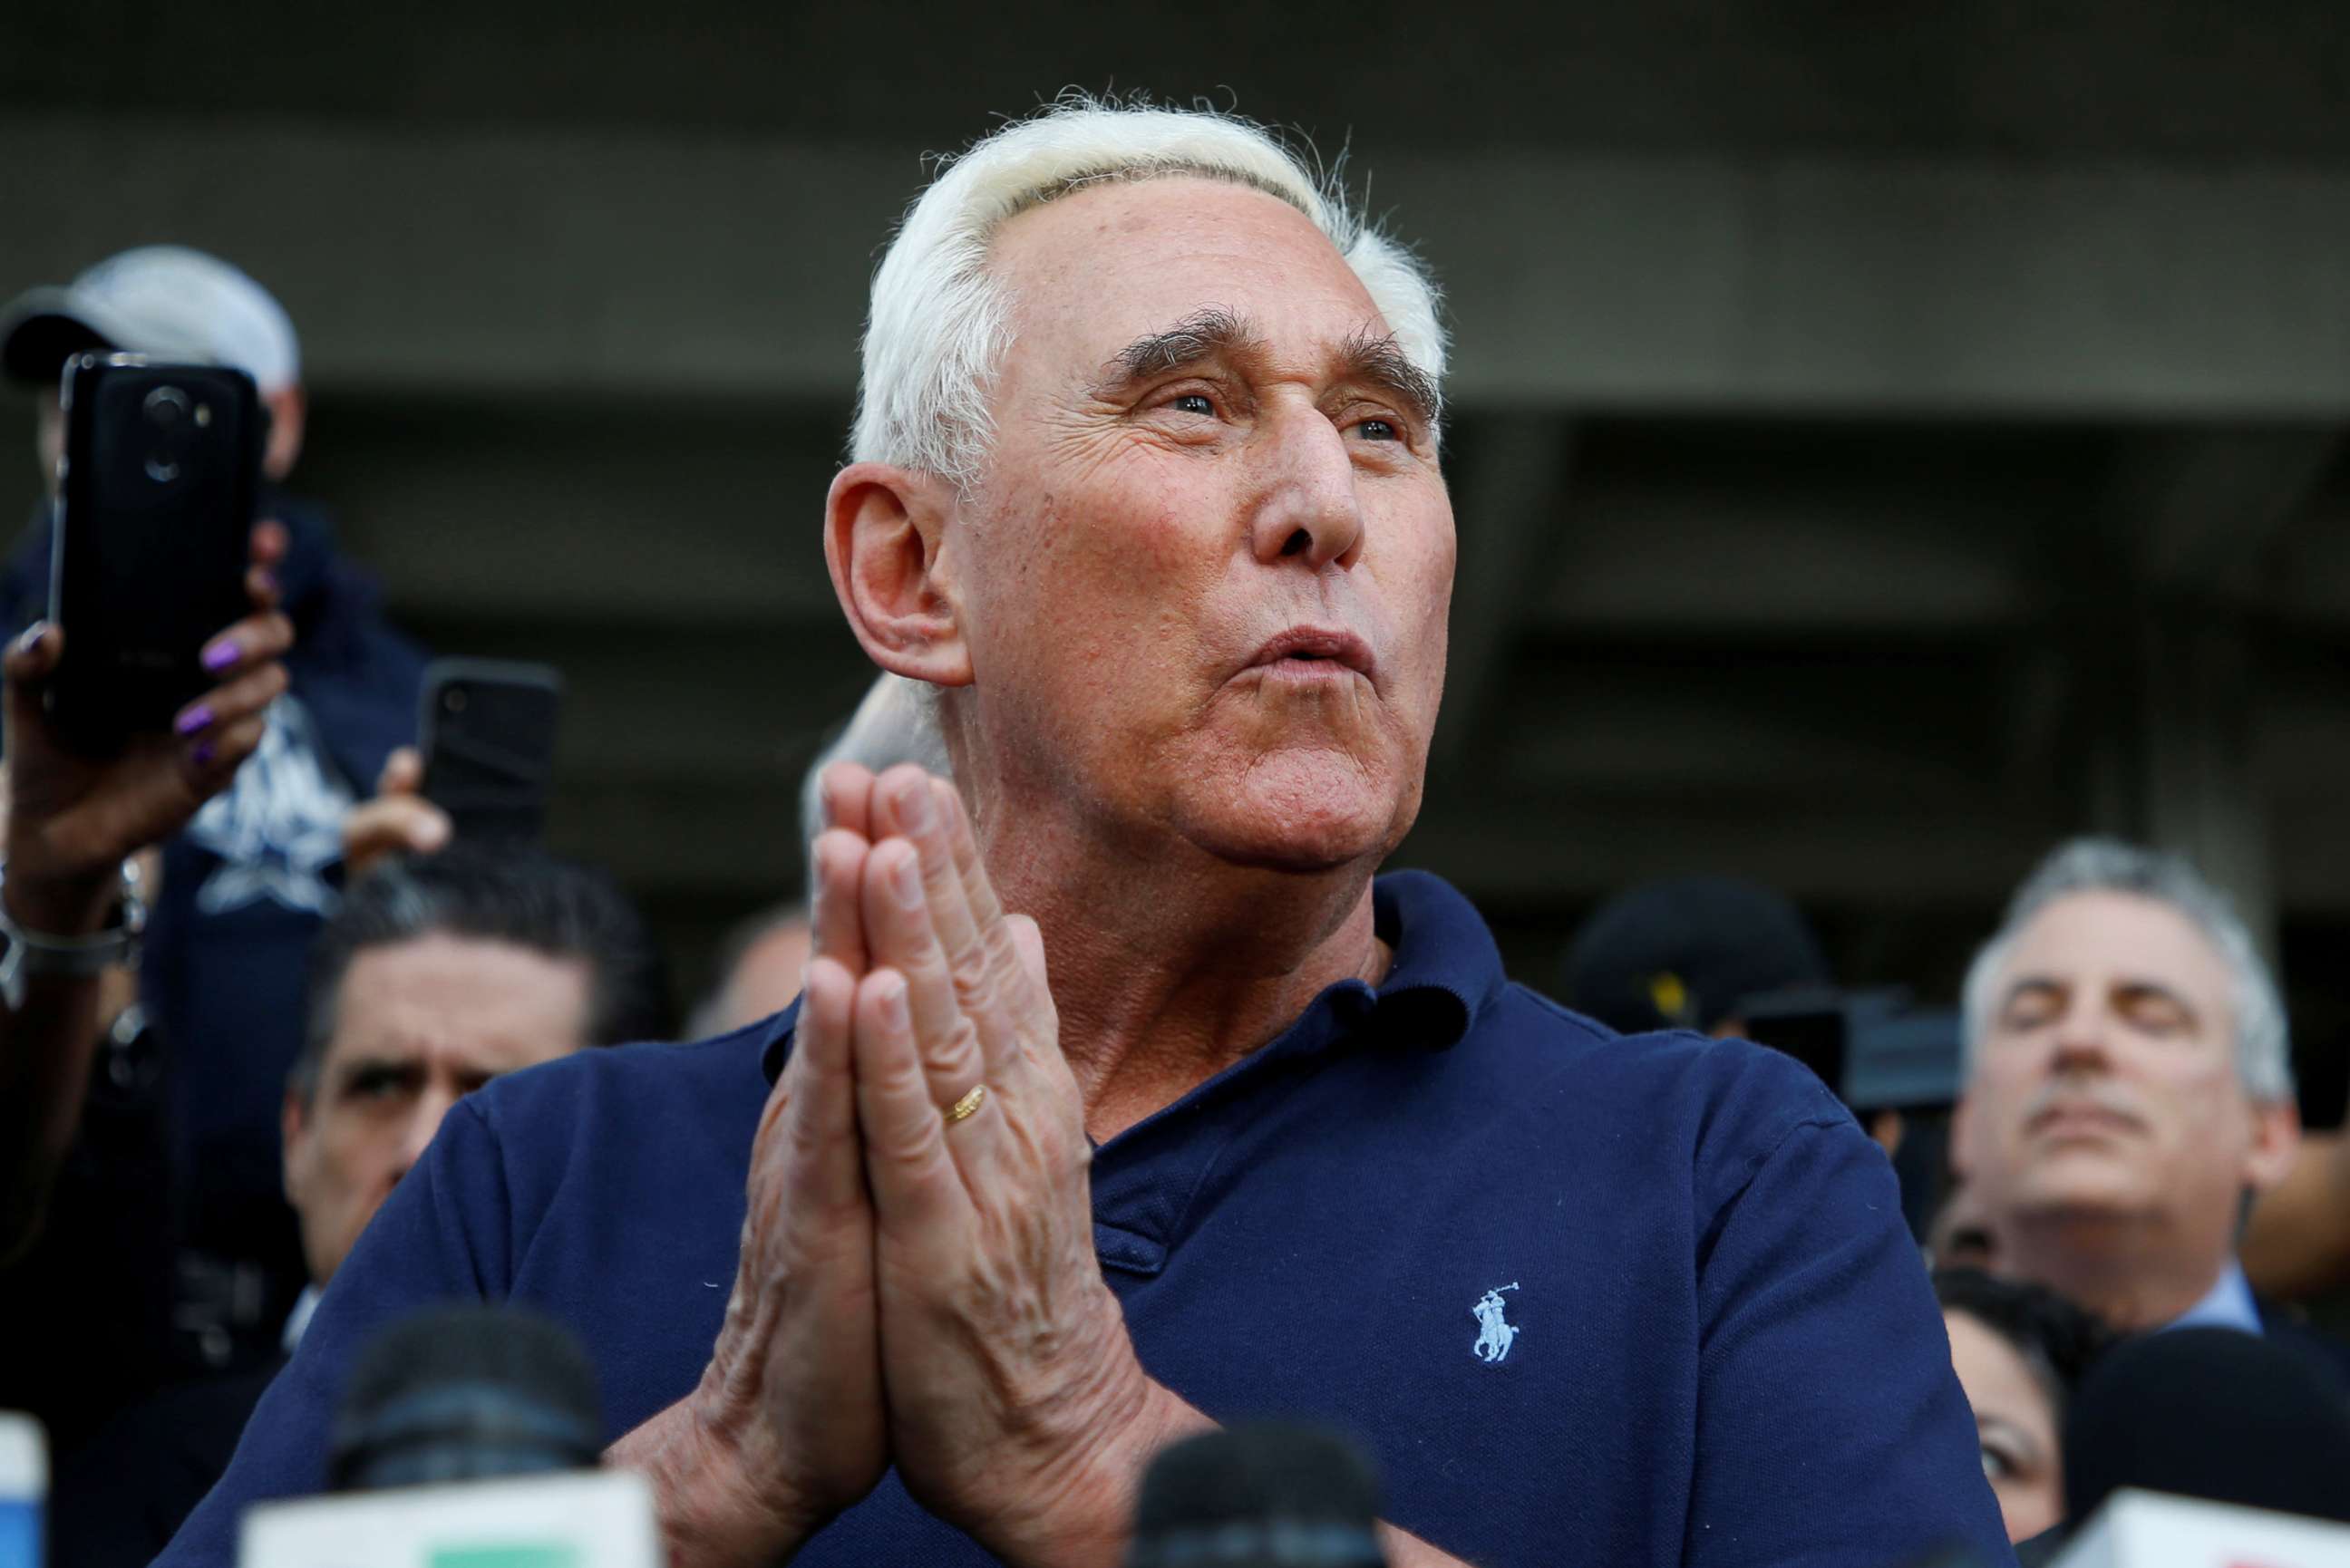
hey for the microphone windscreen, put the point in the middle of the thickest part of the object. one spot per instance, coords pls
(2209, 1413)
(465, 1392)
(1267, 1495)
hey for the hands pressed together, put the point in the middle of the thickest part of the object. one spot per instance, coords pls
(916, 1288)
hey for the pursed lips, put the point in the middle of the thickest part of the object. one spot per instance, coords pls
(1311, 652)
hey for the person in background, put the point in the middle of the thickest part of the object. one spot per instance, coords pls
(87, 1238)
(2129, 1092)
(1685, 953)
(2019, 1350)
(435, 976)
(2298, 1241)
(763, 959)
(1957, 1237)
(760, 965)
(247, 880)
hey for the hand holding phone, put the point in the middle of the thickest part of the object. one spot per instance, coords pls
(397, 820)
(488, 733)
(157, 489)
(73, 817)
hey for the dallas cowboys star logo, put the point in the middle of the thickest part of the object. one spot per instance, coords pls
(279, 827)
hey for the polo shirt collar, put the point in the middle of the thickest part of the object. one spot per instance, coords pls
(1446, 971)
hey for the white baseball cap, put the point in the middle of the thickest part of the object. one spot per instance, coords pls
(167, 301)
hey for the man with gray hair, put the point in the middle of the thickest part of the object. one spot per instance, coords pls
(1146, 489)
(2129, 1089)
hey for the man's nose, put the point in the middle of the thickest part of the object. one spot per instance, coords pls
(1308, 510)
(2081, 1042)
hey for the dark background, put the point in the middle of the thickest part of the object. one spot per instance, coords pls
(1886, 438)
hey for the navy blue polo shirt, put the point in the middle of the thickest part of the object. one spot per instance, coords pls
(1585, 1299)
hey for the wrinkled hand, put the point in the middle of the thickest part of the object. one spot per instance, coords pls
(786, 1427)
(72, 819)
(1018, 1410)
(397, 820)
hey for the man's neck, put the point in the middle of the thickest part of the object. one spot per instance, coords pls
(2134, 1270)
(1167, 969)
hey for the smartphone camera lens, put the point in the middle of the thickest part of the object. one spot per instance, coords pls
(454, 700)
(167, 410)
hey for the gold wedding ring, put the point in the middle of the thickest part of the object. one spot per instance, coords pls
(964, 1107)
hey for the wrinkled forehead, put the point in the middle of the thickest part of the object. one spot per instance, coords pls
(1091, 271)
(2101, 938)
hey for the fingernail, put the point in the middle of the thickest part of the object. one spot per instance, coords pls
(220, 656)
(906, 881)
(199, 717)
(32, 636)
(914, 804)
(268, 580)
(203, 754)
(893, 1004)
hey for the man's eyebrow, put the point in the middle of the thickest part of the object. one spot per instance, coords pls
(1201, 336)
(1380, 361)
(1364, 359)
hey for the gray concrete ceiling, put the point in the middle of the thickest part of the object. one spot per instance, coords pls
(2156, 80)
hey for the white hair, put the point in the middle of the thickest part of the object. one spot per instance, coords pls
(941, 324)
(2264, 1052)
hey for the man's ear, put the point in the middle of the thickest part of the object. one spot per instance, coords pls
(2275, 1140)
(293, 1133)
(883, 529)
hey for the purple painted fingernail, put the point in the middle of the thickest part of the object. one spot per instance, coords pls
(203, 754)
(220, 656)
(199, 717)
(268, 580)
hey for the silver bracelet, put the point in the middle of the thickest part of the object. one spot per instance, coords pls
(29, 953)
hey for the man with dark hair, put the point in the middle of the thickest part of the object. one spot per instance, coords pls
(2019, 1350)
(437, 975)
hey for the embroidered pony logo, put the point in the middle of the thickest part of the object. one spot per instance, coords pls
(1495, 1334)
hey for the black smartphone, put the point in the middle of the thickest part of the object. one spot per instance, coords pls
(158, 485)
(488, 733)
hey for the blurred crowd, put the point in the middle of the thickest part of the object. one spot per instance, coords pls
(310, 966)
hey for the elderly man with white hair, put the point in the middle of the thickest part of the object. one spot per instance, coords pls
(1146, 492)
(2129, 1089)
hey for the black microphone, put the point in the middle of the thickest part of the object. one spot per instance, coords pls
(1267, 1495)
(2209, 1413)
(466, 1393)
